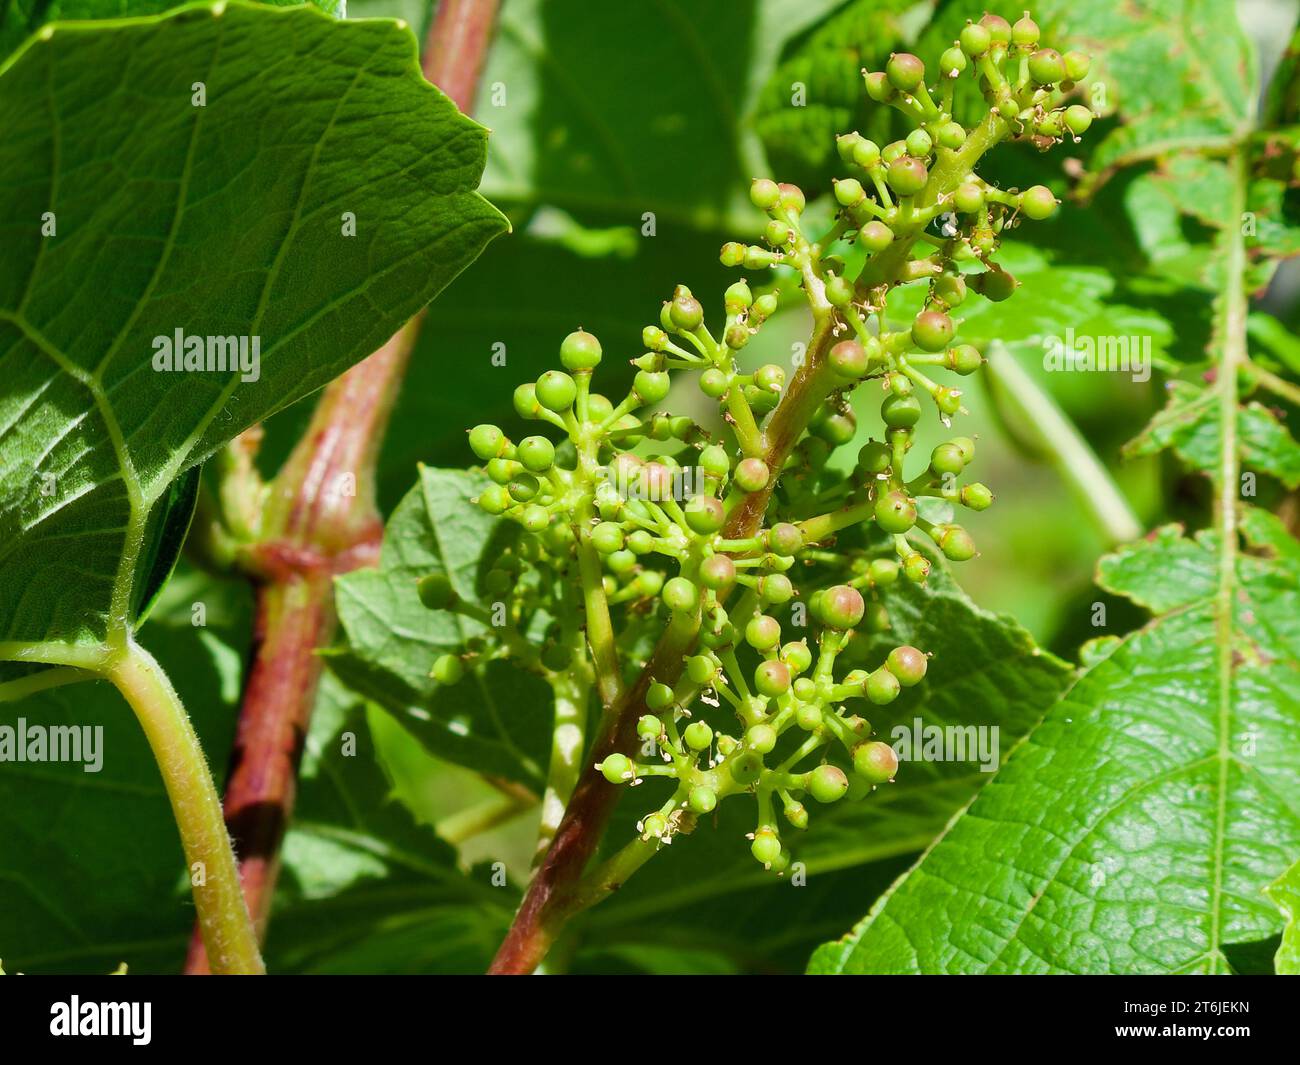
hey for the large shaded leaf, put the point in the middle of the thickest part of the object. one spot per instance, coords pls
(498, 718)
(1136, 828)
(223, 219)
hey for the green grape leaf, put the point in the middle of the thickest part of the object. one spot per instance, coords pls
(1285, 893)
(497, 718)
(986, 674)
(1162, 787)
(817, 93)
(1189, 425)
(138, 209)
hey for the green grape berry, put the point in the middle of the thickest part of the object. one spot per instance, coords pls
(875, 762)
(797, 656)
(447, 669)
(536, 453)
(901, 412)
(763, 632)
(745, 767)
(916, 567)
(760, 738)
(650, 387)
(659, 696)
(714, 383)
(907, 175)
(976, 496)
(774, 588)
(875, 236)
(580, 351)
(1046, 66)
(685, 310)
(764, 193)
(1077, 65)
(717, 572)
(964, 359)
(1038, 202)
(702, 799)
(680, 595)
(883, 572)
(874, 457)
(849, 192)
(919, 143)
(766, 847)
(752, 475)
(881, 687)
(715, 462)
(866, 154)
(968, 198)
(907, 664)
(487, 441)
(996, 284)
(841, 607)
(701, 669)
(956, 543)
(525, 402)
(797, 814)
(975, 39)
(947, 458)
(704, 514)
(785, 539)
(556, 390)
(649, 727)
(772, 678)
(827, 783)
(698, 736)
(654, 825)
(617, 768)
(895, 512)
(607, 537)
(435, 592)
(1077, 119)
(967, 448)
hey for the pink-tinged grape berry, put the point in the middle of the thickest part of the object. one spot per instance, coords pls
(752, 475)
(849, 359)
(841, 607)
(907, 175)
(827, 783)
(932, 330)
(617, 768)
(774, 588)
(1046, 66)
(680, 595)
(875, 236)
(998, 27)
(895, 512)
(905, 71)
(907, 664)
(881, 687)
(1025, 31)
(704, 514)
(763, 632)
(792, 198)
(785, 539)
(717, 572)
(760, 738)
(772, 678)
(875, 762)
(580, 351)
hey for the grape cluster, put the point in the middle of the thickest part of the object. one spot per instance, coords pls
(645, 510)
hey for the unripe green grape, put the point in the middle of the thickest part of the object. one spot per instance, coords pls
(778, 233)
(950, 289)
(968, 198)
(1025, 31)
(704, 515)
(866, 154)
(964, 359)
(649, 583)
(845, 143)
(617, 768)
(883, 572)
(947, 399)
(680, 595)
(878, 87)
(932, 330)
(797, 656)
(1077, 65)
(905, 71)
(919, 143)
(607, 537)
(797, 814)
(881, 687)
(745, 767)
(717, 572)
(916, 567)
(654, 825)
(752, 475)
(536, 453)
(580, 351)
(766, 846)
(495, 499)
(769, 377)
(998, 27)
(498, 582)
(714, 383)
(956, 543)
(685, 310)
(702, 799)
(946, 458)
(839, 291)
(785, 539)
(875, 762)
(764, 193)
(874, 457)
(827, 783)
(715, 462)
(1078, 118)
(808, 716)
(447, 669)
(737, 298)
(772, 678)
(950, 135)
(1046, 66)
(907, 664)
(775, 588)
(764, 307)
(640, 542)
(503, 471)
(732, 254)
(650, 387)
(952, 62)
(525, 402)
(621, 563)
(761, 738)
(658, 696)
(715, 636)
(975, 39)
(900, 412)
(876, 618)
(792, 198)
(701, 669)
(487, 441)
(1049, 126)
(1038, 202)
(649, 727)
(895, 512)
(875, 236)
(558, 538)
(556, 390)
(757, 258)
(976, 496)
(535, 518)
(698, 735)
(849, 359)
(967, 447)
(907, 175)
(763, 632)
(996, 284)
(849, 192)
(836, 429)
(841, 607)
